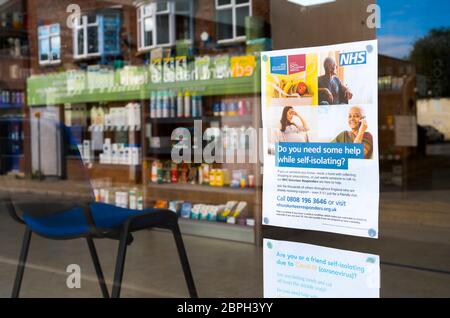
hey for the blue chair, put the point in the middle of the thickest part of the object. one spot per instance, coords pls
(92, 220)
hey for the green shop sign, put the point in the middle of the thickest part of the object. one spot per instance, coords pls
(128, 83)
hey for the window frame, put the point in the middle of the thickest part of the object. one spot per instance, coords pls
(233, 6)
(84, 27)
(48, 38)
(171, 13)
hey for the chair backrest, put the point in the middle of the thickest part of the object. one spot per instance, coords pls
(45, 197)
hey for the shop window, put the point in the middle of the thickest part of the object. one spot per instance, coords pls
(97, 35)
(231, 16)
(49, 38)
(162, 23)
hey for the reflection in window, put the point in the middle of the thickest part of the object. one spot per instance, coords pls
(49, 44)
(86, 36)
(231, 15)
(164, 22)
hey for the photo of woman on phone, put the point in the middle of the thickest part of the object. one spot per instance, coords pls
(358, 132)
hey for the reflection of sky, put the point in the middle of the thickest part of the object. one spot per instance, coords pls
(404, 21)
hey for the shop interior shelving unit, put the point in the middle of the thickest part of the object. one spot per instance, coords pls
(139, 176)
(14, 59)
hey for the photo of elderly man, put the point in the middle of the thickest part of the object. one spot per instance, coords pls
(331, 89)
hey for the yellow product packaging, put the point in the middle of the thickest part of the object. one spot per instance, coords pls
(243, 66)
(219, 178)
(156, 70)
(169, 69)
(212, 177)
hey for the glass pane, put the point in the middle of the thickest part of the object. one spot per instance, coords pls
(93, 39)
(147, 9)
(223, 2)
(80, 41)
(148, 24)
(241, 14)
(55, 44)
(121, 98)
(54, 28)
(162, 28)
(148, 32)
(224, 24)
(92, 18)
(44, 49)
(182, 5)
(161, 6)
(148, 38)
(43, 31)
(183, 27)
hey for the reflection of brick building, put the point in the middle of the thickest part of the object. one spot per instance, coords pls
(397, 97)
(203, 20)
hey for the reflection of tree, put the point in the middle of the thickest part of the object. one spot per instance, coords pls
(431, 56)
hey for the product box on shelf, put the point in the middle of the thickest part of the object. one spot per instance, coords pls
(169, 70)
(133, 76)
(75, 81)
(202, 68)
(221, 66)
(243, 66)
(87, 151)
(181, 69)
(156, 70)
(99, 77)
(121, 199)
(186, 210)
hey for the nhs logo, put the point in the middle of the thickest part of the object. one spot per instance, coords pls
(352, 58)
(278, 65)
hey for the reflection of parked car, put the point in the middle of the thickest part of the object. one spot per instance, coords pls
(433, 135)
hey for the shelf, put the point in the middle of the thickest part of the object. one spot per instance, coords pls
(102, 128)
(202, 188)
(11, 106)
(13, 57)
(13, 32)
(217, 230)
(214, 87)
(159, 151)
(114, 165)
(208, 119)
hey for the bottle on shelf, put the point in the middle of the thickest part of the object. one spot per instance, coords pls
(187, 104)
(153, 104)
(180, 105)
(165, 104)
(173, 104)
(194, 105)
(200, 105)
(159, 105)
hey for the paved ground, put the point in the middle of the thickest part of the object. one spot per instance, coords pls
(414, 248)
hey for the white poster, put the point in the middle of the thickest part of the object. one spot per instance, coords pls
(297, 270)
(320, 119)
(406, 131)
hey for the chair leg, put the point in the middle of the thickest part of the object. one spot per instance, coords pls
(184, 260)
(22, 262)
(120, 263)
(98, 268)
